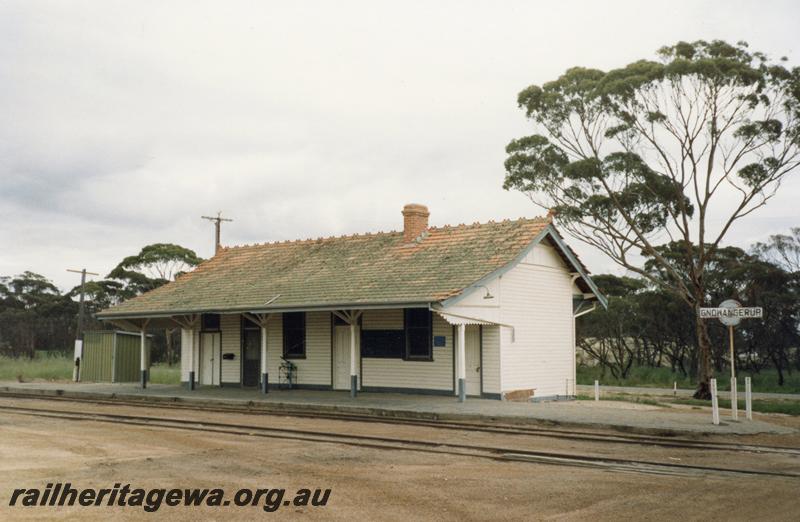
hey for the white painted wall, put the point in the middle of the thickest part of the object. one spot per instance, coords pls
(474, 304)
(315, 369)
(390, 319)
(537, 301)
(397, 373)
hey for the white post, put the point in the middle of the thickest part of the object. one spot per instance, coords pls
(714, 403)
(461, 363)
(353, 374)
(191, 358)
(264, 371)
(748, 399)
(76, 370)
(597, 390)
(734, 401)
(143, 356)
(674, 388)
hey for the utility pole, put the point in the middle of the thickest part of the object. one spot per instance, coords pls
(217, 222)
(79, 332)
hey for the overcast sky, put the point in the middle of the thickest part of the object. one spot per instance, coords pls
(123, 122)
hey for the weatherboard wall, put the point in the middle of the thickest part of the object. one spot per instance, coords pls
(315, 368)
(537, 301)
(436, 374)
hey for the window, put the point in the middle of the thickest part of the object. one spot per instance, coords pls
(210, 322)
(418, 333)
(382, 344)
(294, 335)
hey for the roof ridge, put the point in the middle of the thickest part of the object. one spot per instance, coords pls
(475, 224)
(313, 240)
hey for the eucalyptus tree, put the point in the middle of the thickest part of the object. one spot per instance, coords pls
(674, 149)
(34, 315)
(155, 265)
(782, 249)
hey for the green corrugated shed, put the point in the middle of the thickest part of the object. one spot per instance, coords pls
(112, 356)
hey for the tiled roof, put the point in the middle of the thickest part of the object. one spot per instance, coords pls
(349, 270)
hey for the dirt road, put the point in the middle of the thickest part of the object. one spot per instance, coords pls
(371, 483)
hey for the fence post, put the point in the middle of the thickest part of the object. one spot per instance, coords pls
(674, 388)
(748, 398)
(714, 403)
(596, 390)
(734, 400)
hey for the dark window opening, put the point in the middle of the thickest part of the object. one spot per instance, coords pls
(418, 330)
(210, 322)
(294, 335)
(383, 344)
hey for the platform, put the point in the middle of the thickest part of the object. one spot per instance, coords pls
(624, 416)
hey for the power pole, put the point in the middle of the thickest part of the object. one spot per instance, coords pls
(79, 332)
(217, 222)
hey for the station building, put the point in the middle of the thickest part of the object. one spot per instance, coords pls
(482, 310)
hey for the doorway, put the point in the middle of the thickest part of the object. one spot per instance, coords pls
(210, 356)
(251, 356)
(341, 358)
(472, 349)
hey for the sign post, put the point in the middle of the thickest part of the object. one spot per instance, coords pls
(730, 313)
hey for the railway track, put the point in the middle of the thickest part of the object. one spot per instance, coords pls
(504, 429)
(395, 444)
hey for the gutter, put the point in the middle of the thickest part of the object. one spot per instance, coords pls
(110, 316)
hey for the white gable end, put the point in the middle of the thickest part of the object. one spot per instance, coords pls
(537, 302)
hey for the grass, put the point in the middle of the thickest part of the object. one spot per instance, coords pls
(47, 368)
(622, 398)
(787, 407)
(163, 374)
(766, 381)
(59, 368)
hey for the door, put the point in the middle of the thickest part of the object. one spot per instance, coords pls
(251, 356)
(472, 348)
(209, 358)
(341, 358)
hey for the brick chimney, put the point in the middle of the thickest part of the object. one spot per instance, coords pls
(415, 221)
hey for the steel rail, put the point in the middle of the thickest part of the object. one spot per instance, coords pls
(387, 443)
(645, 440)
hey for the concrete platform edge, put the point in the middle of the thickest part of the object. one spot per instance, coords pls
(279, 407)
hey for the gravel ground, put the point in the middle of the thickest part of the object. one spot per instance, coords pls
(375, 484)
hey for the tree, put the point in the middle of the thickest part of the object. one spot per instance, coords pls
(609, 336)
(677, 149)
(34, 315)
(154, 266)
(782, 249)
